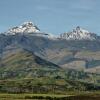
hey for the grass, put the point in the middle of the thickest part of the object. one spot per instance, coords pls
(81, 96)
(29, 96)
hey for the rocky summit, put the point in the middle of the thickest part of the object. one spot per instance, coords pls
(26, 27)
(78, 34)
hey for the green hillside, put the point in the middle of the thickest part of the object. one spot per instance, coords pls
(23, 71)
(22, 64)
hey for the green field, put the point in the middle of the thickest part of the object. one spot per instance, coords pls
(73, 96)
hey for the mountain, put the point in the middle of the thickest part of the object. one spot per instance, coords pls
(32, 61)
(81, 52)
(78, 34)
(26, 27)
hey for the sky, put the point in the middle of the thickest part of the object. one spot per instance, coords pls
(52, 16)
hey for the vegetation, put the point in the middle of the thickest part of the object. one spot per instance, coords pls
(24, 72)
(45, 85)
(23, 64)
(84, 96)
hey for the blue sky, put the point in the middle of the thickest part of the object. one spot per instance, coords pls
(53, 16)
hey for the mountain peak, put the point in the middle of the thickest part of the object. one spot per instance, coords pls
(78, 34)
(78, 28)
(26, 27)
(27, 24)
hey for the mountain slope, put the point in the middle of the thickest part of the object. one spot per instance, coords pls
(17, 62)
(22, 68)
(60, 52)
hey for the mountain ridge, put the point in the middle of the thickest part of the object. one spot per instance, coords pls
(29, 28)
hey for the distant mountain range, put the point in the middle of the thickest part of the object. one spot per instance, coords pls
(29, 28)
(20, 46)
